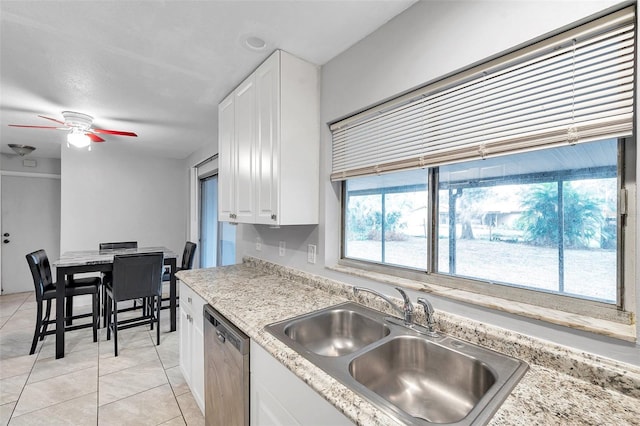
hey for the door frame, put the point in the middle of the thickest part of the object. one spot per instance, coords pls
(203, 169)
(19, 174)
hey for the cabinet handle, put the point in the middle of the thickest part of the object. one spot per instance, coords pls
(189, 299)
(274, 217)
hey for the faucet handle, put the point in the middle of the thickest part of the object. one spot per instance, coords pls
(428, 312)
(407, 308)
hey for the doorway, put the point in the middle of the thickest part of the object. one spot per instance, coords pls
(30, 221)
(217, 239)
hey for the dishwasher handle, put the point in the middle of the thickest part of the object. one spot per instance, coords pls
(226, 331)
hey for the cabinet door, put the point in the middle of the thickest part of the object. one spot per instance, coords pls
(267, 140)
(185, 344)
(226, 160)
(279, 397)
(266, 410)
(245, 119)
(197, 360)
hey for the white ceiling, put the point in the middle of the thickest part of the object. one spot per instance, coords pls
(156, 68)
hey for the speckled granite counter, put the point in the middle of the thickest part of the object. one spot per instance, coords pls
(562, 386)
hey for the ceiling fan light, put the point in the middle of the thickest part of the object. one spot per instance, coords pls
(77, 120)
(21, 150)
(78, 139)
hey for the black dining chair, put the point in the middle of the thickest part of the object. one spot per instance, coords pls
(106, 276)
(134, 276)
(46, 292)
(187, 263)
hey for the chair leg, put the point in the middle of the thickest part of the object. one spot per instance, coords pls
(96, 314)
(115, 330)
(104, 306)
(107, 308)
(158, 309)
(145, 306)
(69, 310)
(45, 322)
(148, 303)
(36, 332)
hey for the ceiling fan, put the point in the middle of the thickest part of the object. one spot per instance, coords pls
(81, 134)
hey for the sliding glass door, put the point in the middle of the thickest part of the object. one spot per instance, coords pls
(217, 239)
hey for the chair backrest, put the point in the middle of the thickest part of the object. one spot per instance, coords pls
(118, 245)
(187, 255)
(40, 271)
(137, 275)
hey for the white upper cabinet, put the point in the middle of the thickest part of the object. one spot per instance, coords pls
(271, 160)
(226, 159)
(244, 146)
(267, 139)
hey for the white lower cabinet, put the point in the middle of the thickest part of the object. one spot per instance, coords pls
(279, 397)
(192, 342)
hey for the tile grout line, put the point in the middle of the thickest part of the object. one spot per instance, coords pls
(164, 369)
(170, 386)
(98, 373)
(37, 354)
(128, 368)
(164, 360)
(40, 381)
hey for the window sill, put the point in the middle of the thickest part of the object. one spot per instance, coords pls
(617, 330)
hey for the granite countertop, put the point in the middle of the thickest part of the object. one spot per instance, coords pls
(96, 257)
(562, 386)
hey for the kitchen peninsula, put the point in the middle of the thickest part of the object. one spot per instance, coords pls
(562, 385)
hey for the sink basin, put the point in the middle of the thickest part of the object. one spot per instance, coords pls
(336, 332)
(423, 379)
(415, 378)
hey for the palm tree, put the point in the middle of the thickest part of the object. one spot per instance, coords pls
(583, 216)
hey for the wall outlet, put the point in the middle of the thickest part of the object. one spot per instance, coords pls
(282, 247)
(311, 253)
(258, 244)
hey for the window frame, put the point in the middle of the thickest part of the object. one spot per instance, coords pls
(621, 311)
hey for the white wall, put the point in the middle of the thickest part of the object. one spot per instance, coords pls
(427, 41)
(15, 163)
(109, 194)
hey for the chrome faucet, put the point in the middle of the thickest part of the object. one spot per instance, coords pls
(407, 308)
(428, 313)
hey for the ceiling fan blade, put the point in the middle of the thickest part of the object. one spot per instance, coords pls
(52, 119)
(114, 132)
(94, 137)
(38, 127)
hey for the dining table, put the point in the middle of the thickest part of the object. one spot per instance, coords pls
(77, 262)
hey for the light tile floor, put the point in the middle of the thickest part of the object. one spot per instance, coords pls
(89, 386)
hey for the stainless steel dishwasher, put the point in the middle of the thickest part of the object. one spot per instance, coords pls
(226, 369)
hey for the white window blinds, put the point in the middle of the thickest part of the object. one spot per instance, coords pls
(574, 87)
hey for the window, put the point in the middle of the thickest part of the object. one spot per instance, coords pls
(499, 220)
(509, 175)
(545, 220)
(386, 219)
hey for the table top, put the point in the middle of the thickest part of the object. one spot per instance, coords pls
(96, 257)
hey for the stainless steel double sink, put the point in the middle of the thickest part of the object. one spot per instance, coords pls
(415, 378)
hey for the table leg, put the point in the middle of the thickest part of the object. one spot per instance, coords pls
(60, 287)
(172, 294)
